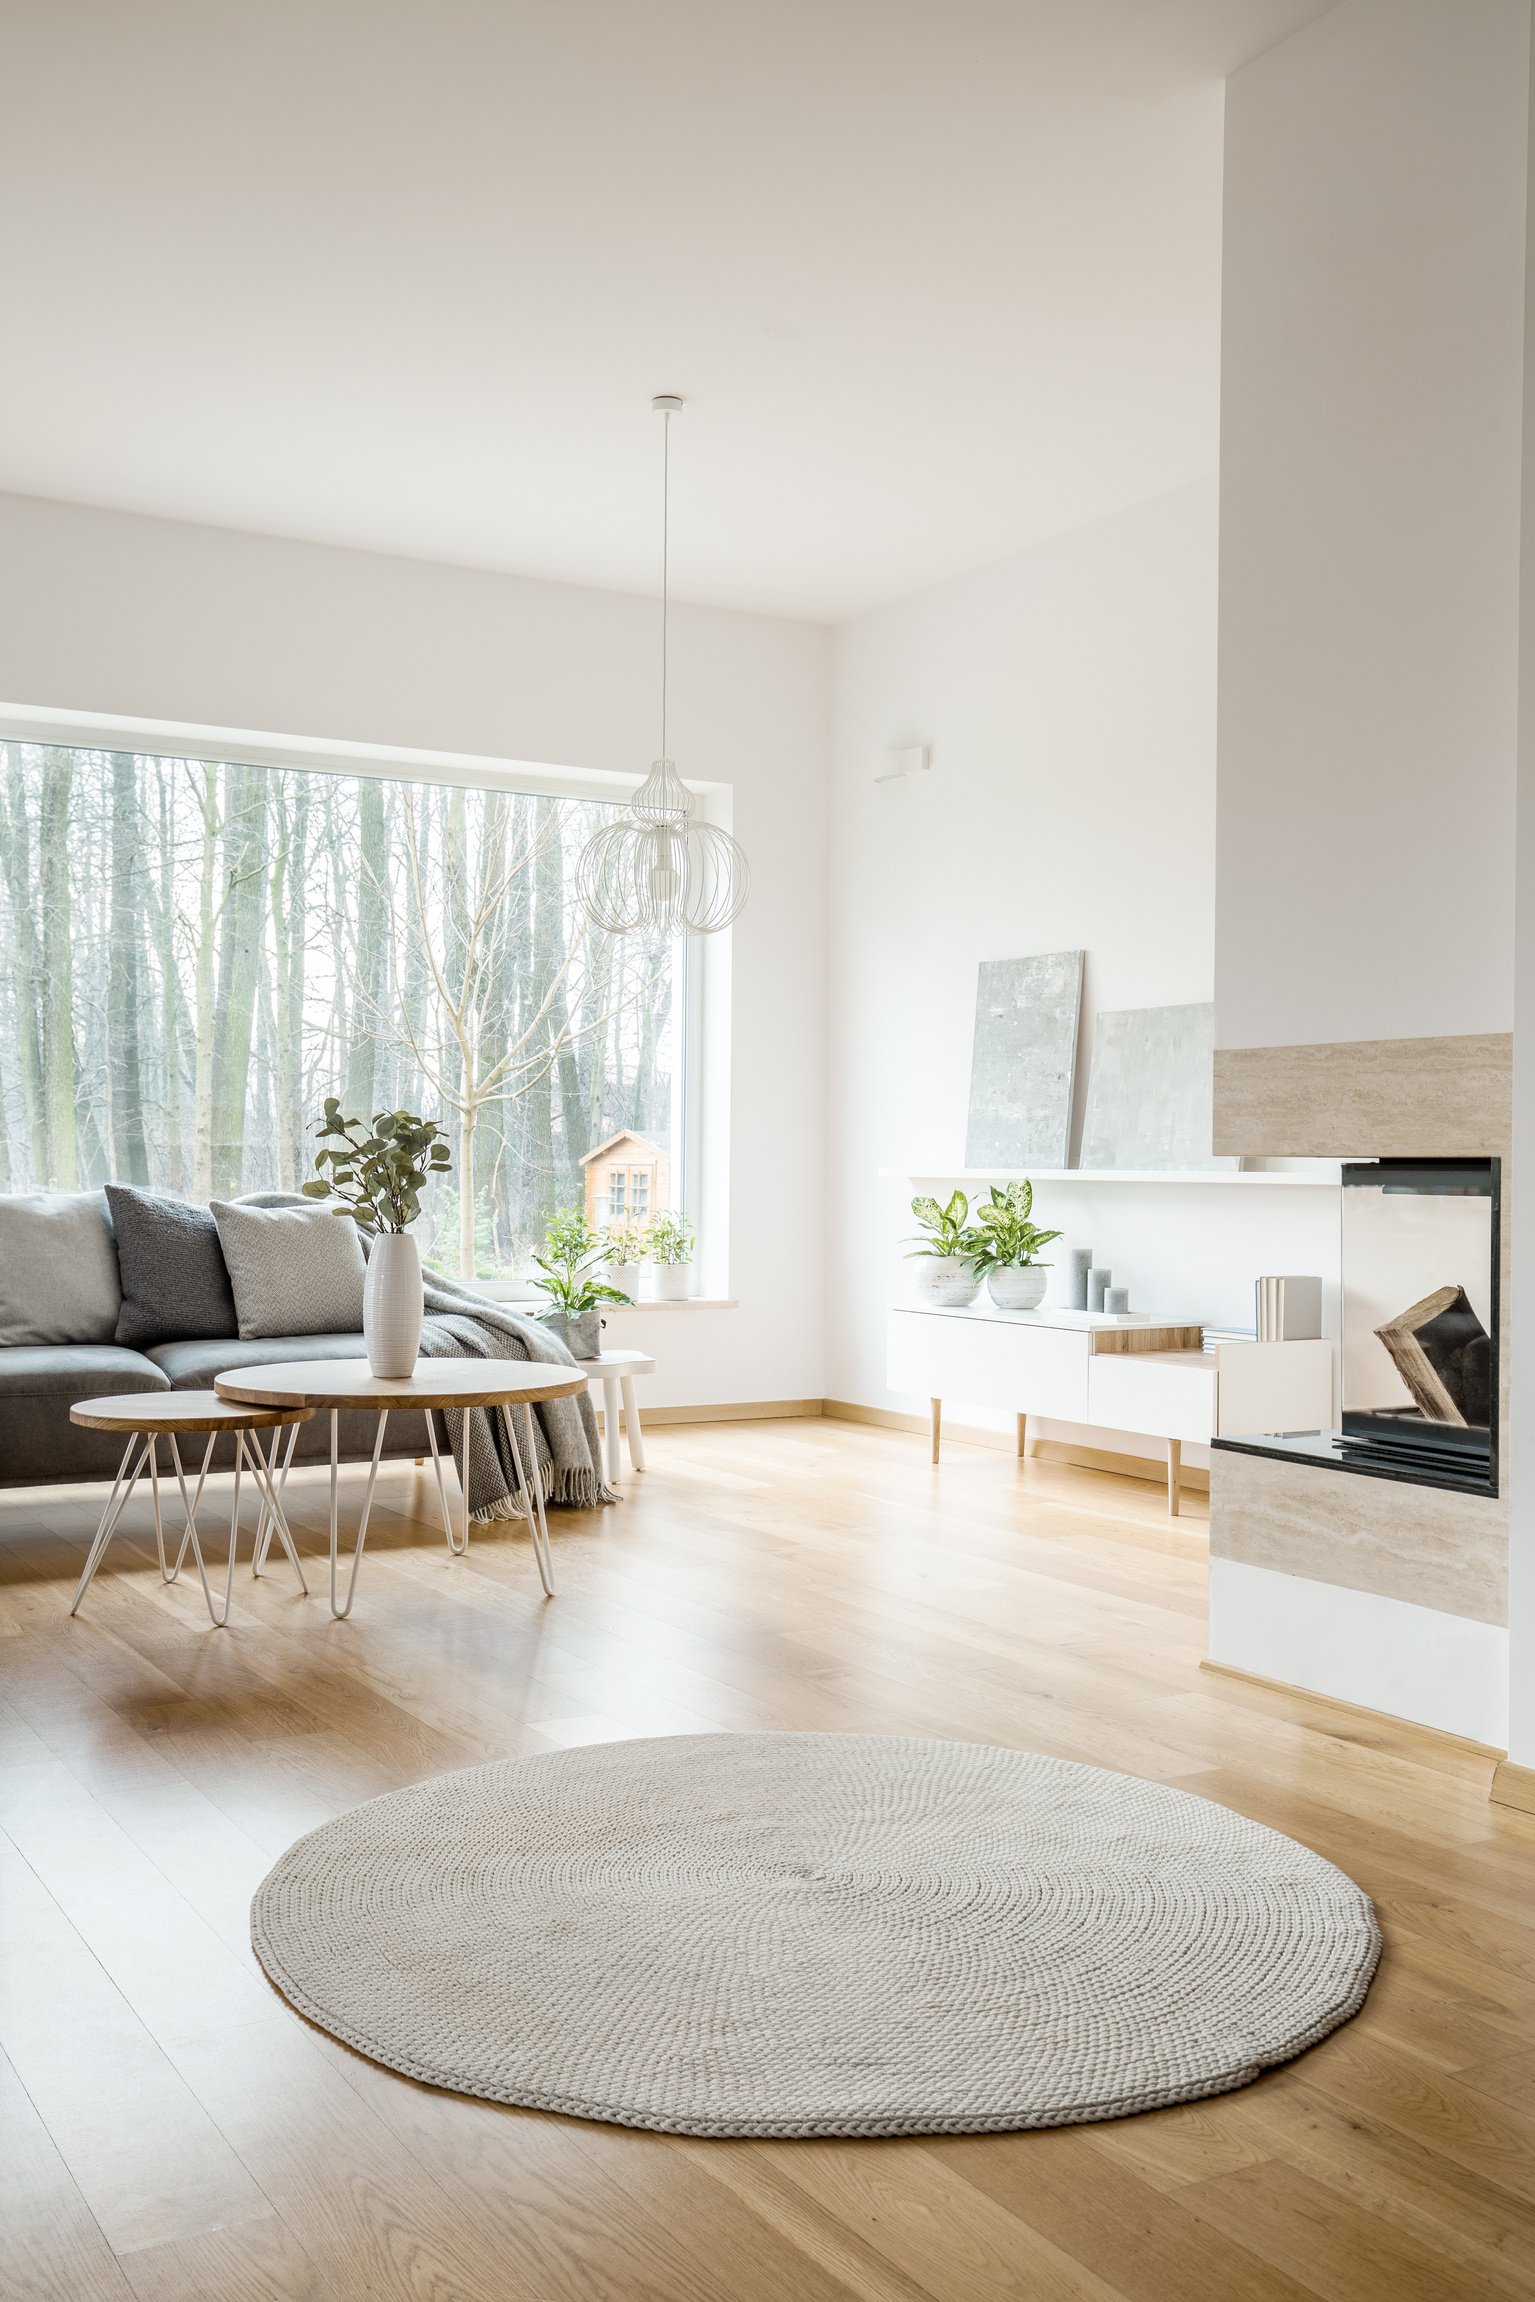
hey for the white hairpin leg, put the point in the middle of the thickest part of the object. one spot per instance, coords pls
(220, 1620)
(277, 1476)
(525, 1457)
(274, 1519)
(189, 1511)
(116, 1504)
(341, 1613)
(456, 1545)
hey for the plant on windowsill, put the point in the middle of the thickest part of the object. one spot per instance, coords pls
(670, 1245)
(379, 1177)
(568, 1266)
(942, 1251)
(1007, 1253)
(625, 1253)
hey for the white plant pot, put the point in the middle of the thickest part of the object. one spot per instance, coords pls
(392, 1306)
(946, 1279)
(1022, 1289)
(673, 1281)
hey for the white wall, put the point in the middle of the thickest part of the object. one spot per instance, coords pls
(105, 612)
(1372, 405)
(1068, 697)
(1371, 354)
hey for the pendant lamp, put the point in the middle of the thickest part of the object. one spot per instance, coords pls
(659, 867)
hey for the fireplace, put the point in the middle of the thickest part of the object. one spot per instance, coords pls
(1418, 1328)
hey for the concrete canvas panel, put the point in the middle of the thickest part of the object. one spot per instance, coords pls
(1023, 1070)
(1150, 1091)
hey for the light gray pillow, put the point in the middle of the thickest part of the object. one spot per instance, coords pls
(294, 1270)
(58, 1269)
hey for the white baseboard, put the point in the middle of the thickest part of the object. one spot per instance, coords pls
(1383, 1654)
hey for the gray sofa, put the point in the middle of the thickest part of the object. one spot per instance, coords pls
(61, 1306)
(40, 1446)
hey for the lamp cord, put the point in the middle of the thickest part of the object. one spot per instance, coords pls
(666, 478)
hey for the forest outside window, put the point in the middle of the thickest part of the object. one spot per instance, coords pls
(198, 951)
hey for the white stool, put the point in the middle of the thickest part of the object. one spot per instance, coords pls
(615, 1371)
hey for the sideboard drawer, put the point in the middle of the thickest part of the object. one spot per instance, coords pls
(1170, 1394)
(990, 1363)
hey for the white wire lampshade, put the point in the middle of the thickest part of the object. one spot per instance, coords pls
(659, 866)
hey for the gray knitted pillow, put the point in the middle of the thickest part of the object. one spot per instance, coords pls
(175, 1286)
(58, 1269)
(294, 1270)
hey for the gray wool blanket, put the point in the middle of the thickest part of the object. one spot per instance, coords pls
(461, 1324)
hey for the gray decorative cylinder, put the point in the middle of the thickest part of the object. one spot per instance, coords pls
(1116, 1300)
(1097, 1283)
(391, 1307)
(1081, 1264)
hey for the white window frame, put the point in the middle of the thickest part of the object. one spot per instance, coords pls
(701, 1074)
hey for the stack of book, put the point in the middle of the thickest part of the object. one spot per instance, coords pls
(1214, 1336)
(1289, 1309)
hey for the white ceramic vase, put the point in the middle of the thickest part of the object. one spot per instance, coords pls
(1020, 1289)
(946, 1279)
(673, 1281)
(392, 1307)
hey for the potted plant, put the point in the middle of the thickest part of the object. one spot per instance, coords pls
(625, 1253)
(573, 1251)
(670, 1245)
(1006, 1255)
(379, 1176)
(943, 1250)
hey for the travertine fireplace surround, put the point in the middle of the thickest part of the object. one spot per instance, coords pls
(1375, 1098)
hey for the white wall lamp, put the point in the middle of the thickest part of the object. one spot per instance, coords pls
(659, 867)
(897, 765)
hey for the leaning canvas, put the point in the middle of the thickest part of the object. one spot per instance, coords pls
(1024, 1066)
(1150, 1089)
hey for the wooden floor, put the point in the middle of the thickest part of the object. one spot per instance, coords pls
(168, 2130)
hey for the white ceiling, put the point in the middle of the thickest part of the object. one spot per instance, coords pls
(936, 277)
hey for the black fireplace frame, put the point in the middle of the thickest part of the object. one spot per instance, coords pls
(1344, 1449)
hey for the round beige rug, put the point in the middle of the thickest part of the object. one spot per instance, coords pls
(795, 1934)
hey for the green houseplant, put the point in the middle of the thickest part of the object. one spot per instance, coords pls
(944, 1248)
(378, 1174)
(670, 1246)
(1006, 1254)
(567, 1274)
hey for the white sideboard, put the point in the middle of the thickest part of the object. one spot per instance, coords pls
(1120, 1374)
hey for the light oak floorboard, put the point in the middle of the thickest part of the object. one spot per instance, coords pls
(169, 2129)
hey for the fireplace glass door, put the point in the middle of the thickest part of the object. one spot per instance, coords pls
(1420, 1318)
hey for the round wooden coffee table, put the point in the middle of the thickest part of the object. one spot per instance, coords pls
(149, 1416)
(437, 1386)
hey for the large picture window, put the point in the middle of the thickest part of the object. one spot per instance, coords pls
(198, 951)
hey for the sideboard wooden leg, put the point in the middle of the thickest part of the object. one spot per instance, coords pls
(935, 1416)
(1174, 1476)
(1023, 1435)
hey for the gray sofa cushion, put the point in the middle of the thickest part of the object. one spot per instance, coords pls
(294, 1270)
(38, 1442)
(174, 1279)
(192, 1366)
(58, 1269)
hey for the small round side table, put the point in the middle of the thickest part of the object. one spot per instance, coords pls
(149, 1416)
(437, 1386)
